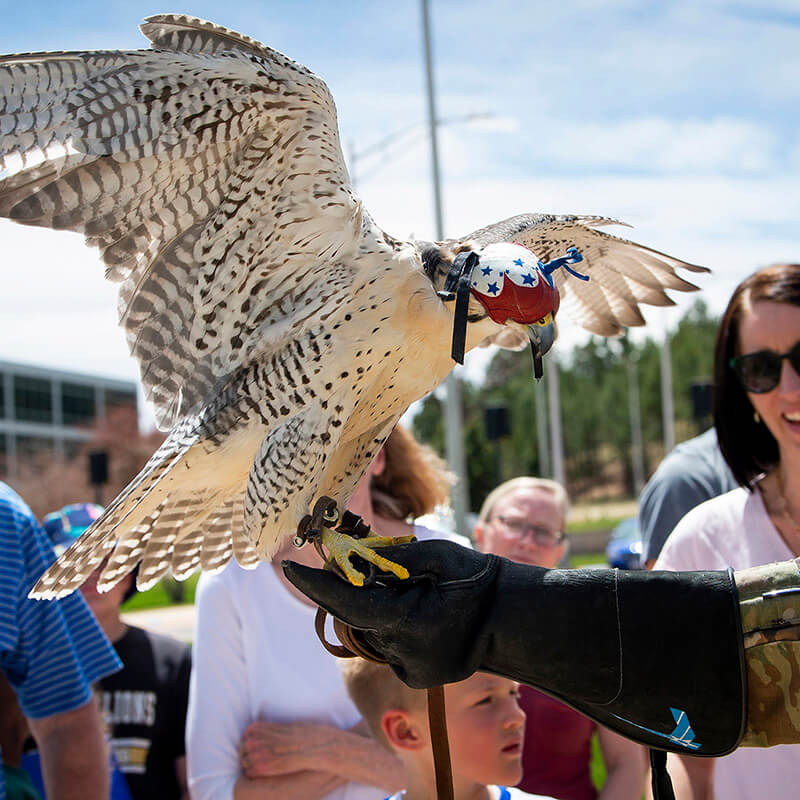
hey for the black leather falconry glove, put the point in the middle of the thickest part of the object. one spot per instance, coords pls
(656, 656)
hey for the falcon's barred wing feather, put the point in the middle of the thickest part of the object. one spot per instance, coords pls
(209, 173)
(622, 273)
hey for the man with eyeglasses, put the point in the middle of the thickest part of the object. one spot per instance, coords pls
(523, 520)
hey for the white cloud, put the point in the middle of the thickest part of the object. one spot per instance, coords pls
(654, 144)
(55, 309)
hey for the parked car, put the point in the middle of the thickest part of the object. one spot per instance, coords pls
(624, 548)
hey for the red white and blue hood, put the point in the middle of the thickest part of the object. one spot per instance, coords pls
(511, 284)
(514, 287)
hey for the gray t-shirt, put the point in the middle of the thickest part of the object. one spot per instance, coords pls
(692, 473)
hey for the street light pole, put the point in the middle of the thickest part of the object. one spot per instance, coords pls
(434, 138)
(454, 425)
(540, 400)
(637, 447)
(667, 408)
(556, 439)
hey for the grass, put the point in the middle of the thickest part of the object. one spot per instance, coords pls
(165, 593)
(587, 560)
(591, 525)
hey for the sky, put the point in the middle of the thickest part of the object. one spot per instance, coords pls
(681, 118)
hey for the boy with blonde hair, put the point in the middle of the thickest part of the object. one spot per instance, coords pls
(484, 724)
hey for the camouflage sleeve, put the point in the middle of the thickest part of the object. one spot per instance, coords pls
(769, 598)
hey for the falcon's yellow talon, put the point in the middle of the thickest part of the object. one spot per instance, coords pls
(355, 577)
(340, 547)
(404, 539)
(385, 541)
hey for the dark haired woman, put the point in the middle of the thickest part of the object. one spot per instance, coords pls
(757, 417)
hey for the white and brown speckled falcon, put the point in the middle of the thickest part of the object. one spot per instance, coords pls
(280, 333)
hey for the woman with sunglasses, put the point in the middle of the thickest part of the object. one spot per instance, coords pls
(757, 418)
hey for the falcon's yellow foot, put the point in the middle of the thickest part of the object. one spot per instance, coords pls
(340, 547)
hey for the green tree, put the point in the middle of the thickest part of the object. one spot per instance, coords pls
(692, 352)
(594, 391)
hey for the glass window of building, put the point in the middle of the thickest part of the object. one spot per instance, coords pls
(2, 397)
(31, 448)
(32, 399)
(77, 403)
(115, 398)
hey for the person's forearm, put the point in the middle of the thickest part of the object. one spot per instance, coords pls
(73, 754)
(275, 749)
(623, 783)
(308, 785)
(692, 778)
(626, 766)
(362, 760)
(180, 775)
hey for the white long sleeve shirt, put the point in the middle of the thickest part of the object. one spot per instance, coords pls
(256, 656)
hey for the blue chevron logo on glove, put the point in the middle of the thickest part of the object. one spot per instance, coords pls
(683, 733)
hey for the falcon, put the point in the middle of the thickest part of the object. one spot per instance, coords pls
(280, 333)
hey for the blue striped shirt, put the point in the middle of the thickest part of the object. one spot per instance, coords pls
(51, 651)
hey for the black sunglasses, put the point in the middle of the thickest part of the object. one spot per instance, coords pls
(760, 372)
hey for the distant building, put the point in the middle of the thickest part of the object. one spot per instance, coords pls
(48, 411)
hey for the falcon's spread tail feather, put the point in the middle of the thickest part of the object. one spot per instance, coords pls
(139, 506)
(232, 515)
(192, 529)
(173, 523)
(188, 532)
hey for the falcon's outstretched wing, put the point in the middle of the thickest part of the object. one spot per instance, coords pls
(622, 274)
(209, 173)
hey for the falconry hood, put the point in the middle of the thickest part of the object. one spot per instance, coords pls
(513, 286)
